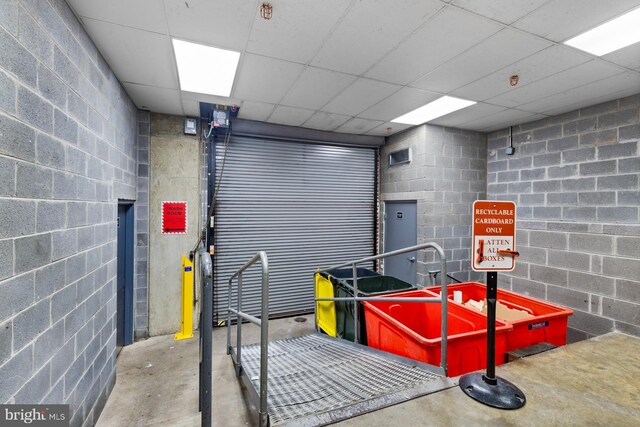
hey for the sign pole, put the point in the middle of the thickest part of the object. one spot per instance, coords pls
(494, 248)
(492, 296)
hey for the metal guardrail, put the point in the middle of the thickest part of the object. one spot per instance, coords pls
(433, 277)
(263, 322)
(443, 294)
(206, 330)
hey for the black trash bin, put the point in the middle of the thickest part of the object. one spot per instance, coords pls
(370, 284)
(338, 274)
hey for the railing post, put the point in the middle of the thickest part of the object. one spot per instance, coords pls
(444, 295)
(263, 322)
(229, 316)
(239, 329)
(264, 341)
(206, 331)
(356, 329)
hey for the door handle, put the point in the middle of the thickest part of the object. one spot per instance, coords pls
(412, 259)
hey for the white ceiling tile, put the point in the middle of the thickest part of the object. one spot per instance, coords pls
(264, 79)
(584, 95)
(560, 82)
(250, 110)
(369, 30)
(471, 113)
(559, 20)
(135, 56)
(501, 49)
(211, 99)
(359, 126)
(142, 14)
(360, 96)
(220, 23)
(156, 99)
(510, 117)
(382, 130)
(191, 101)
(533, 68)
(316, 87)
(401, 102)
(627, 57)
(325, 121)
(289, 115)
(449, 33)
(505, 11)
(296, 31)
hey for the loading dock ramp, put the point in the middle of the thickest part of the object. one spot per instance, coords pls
(315, 380)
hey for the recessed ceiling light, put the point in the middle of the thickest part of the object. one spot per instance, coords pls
(205, 69)
(613, 35)
(433, 110)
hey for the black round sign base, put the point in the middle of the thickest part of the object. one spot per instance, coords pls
(497, 392)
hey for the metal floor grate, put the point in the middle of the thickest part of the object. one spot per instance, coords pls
(314, 380)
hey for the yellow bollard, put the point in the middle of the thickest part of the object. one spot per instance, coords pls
(186, 329)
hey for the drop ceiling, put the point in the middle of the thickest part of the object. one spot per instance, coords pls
(353, 66)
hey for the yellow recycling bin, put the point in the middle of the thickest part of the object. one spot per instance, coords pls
(325, 310)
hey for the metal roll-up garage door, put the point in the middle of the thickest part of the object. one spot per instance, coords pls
(306, 205)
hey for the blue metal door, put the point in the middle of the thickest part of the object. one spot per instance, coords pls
(400, 232)
(124, 333)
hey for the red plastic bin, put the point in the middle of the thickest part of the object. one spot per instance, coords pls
(412, 330)
(549, 323)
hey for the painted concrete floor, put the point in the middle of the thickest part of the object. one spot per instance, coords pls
(594, 382)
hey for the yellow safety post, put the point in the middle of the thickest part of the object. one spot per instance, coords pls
(186, 329)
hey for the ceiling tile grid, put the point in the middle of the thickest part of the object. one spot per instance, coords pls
(446, 35)
(575, 77)
(316, 87)
(326, 121)
(361, 95)
(533, 68)
(497, 51)
(353, 66)
(369, 30)
(265, 79)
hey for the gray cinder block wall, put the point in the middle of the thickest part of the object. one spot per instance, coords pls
(68, 152)
(575, 178)
(446, 174)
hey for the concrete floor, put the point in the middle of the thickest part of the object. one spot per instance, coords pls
(594, 382)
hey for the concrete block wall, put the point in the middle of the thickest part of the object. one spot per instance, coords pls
(575, 178)
(446, 174)
(68, 152)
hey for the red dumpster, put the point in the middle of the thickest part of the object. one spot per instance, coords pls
(412, 330)
(547, 322)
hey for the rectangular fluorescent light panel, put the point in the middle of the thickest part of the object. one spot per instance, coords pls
(205, 69)
(613, 35)
(433, 110)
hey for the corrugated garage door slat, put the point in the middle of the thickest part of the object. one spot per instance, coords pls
(306, 205)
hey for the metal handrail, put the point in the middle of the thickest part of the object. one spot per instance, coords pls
(263, 322)
(443, 294)
(433, 277)
(206, 330)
